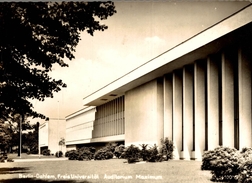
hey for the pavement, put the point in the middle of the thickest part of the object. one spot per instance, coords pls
(34, 157)
(40, 159)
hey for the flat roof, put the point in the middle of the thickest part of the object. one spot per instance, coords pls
(207, 42)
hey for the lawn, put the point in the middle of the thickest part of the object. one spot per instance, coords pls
(114, 170)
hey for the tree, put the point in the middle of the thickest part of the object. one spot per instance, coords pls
(61, 143)
(16, 129)
(30, 139)
(5, 136)
(33, 37)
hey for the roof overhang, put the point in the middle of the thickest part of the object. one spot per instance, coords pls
(85, 109)
(231, 30)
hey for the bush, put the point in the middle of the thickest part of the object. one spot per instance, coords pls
(224, 163)
(4, 156)
(2, 160)
(111, 147)
(228, 164)
(167, 148)
(153, 155)
(245, 175)
(10, 160)
(46, 152)
(69, 152)
(144, 153)
(72, 154)
(132, 154)
(104, 153)
(246, 153)
(83, 153)
(119, 151)
(207, 158)
(59, 154)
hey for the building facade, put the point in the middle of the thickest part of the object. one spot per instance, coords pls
(50, 133)
(96, 126)
(198, 94)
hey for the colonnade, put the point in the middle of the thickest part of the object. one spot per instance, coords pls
(208, 103)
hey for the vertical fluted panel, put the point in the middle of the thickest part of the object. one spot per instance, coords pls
(110, 118)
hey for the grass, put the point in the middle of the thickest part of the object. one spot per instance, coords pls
(61, 171)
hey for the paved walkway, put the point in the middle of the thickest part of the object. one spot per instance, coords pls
(40, 159)
(34, 157)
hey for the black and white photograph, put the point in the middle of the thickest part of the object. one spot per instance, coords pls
(136, 91)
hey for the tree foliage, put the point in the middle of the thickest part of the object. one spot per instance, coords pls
(33, 37)
(5, 136)
(30, 139)
(10, 133)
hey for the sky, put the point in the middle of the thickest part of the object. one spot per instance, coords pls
(138, 32)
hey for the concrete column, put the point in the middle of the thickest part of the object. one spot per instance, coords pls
(109, 126)
(113, 118)
(105, 128)
(122, 115)
(160, 111)
(227, 71)
(187, 112)
(199, 109)
(244, 80)
(168, 106)
(177, 113)
(212, 123)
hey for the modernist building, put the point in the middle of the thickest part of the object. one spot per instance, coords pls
(198, 94)
(50, 133)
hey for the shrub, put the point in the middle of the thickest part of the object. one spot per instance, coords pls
(83, 153)
(246, 153)
(46, 152)
(2, 160)
(72, 154)
(59, 154)
(245, 175)
(144, 153)
(10, 160)
(207, 158)
(86, 153)
(69, 152)
(224, 163)
(119, 151)
(111, 147)
(4, 156)
(153, 155)
(132, 154)
(167, 148)
(104, 153)
(92, 150)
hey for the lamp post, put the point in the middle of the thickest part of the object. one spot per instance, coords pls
(38, 125)
(58, 128)
(20, 136)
